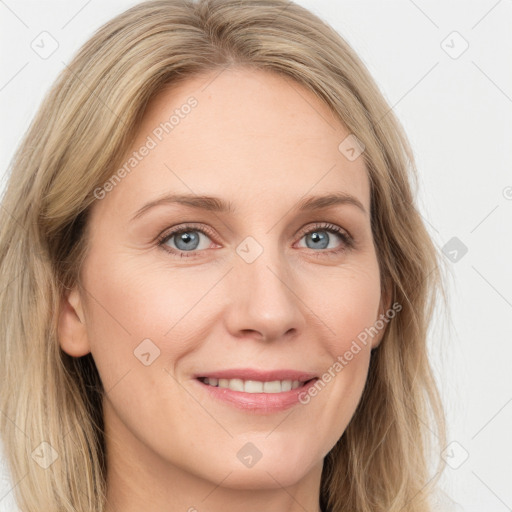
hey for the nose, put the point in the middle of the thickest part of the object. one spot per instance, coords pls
(264, 299)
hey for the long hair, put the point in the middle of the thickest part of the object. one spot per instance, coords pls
(51, 421)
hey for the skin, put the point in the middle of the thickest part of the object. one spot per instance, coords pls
(262, 142)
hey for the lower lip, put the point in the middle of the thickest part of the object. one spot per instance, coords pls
(258, 402)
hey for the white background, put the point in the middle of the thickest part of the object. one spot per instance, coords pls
(457, 113)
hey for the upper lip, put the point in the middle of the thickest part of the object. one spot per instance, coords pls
(259, 375)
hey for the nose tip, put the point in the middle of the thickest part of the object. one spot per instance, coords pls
(263, 302)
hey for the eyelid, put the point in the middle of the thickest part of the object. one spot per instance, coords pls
(186, 226)
(327, 226)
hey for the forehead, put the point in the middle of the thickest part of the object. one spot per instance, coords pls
(251, 136)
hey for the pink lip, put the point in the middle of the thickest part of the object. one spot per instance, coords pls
(258, 402)
(261, 375)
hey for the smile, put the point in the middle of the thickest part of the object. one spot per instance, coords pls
(253, 386)
(255, 390)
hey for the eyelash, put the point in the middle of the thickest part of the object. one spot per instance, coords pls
(347, 240)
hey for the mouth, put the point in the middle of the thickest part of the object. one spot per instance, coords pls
(255, 386)
(255, 390)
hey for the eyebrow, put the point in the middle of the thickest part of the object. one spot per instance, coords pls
(216, 204)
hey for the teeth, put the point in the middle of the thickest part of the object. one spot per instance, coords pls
(235, 384)
(253, 386)
(286, 385)
(274, 386)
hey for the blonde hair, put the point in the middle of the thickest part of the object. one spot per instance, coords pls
(80, 134)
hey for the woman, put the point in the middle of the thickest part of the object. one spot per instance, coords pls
(217, 286)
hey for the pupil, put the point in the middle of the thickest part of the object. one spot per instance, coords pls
(186, 240)
(320, 239)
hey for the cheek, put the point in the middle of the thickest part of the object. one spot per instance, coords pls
(134, 301)
(349, 307)
(133, 312)
(145, 319)
(141, 322)
(348, 302)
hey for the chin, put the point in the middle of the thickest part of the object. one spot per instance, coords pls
(272, 475)
(274, 466)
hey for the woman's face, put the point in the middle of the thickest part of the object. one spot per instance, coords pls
(258, 289)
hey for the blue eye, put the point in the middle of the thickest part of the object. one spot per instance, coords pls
(323, 239)
(186, 239)
(319, 239)
(323, 236)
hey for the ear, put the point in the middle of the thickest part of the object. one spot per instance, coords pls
(385, 305)
(72, 331)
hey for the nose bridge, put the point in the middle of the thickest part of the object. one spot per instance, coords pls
(263, 297)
